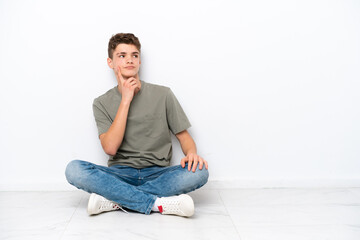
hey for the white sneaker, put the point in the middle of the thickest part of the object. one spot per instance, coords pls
(98, 204)
(181, 205)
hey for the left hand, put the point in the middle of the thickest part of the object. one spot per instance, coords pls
(193, 160)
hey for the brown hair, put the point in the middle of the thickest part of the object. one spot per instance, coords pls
(127, 38)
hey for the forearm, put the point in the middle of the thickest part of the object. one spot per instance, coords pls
(187, 143)
(189, 148)
(112, 139)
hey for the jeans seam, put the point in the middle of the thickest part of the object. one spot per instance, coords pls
(151, 204)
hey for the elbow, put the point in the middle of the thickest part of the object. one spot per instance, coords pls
(108, 148)
(110, 151)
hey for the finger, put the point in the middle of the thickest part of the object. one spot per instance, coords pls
(121, 78)
(195, 165)
(196, 161)
(182, 162)
(201, 161)
(132, 82)
(131, 79)
(138, 85)
(190, 161)
(206, 164)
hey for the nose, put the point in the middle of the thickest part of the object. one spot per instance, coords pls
(129, 60)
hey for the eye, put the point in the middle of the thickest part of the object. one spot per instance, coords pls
(121, 56)
(136, 56)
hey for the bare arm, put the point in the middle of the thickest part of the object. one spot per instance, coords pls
(112, 139)
(188, 147)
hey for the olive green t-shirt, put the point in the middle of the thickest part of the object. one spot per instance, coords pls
(154, 113)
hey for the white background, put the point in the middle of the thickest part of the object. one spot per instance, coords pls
(271, 87)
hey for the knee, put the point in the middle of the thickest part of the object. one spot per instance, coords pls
(199, 177)
(72, 170)
(203, 176)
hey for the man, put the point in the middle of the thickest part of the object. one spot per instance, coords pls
(135, 120)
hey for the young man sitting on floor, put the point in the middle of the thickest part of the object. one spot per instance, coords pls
(135, 120)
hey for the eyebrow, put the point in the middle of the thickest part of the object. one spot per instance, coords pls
(126, 53)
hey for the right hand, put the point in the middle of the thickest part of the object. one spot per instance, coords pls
(128, 86)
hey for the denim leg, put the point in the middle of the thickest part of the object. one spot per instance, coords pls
(174, 180)
(105, 181)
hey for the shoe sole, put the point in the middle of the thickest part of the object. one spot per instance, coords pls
(190, 205)
(92, 204)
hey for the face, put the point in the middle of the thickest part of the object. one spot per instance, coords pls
(127, 57)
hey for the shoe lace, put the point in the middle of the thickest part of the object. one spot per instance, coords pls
(106, 204)
(171, 206)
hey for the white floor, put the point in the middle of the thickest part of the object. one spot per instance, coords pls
(220, 214)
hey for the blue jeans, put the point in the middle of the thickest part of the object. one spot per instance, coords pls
(135, 189)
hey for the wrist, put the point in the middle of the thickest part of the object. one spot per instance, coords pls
(191, 152)
(125, 103)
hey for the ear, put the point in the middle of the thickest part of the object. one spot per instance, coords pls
(110, 63)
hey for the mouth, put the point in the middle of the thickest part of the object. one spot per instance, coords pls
(129, 67)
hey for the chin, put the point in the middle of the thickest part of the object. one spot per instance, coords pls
(130, 73)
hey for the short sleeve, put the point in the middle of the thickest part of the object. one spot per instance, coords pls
(103, 121)
(176, 118)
